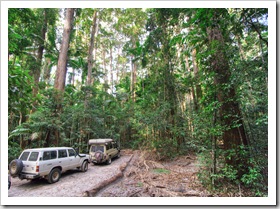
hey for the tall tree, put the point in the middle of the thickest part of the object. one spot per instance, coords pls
(37, 70)
(91, 47)
(234, 134)
(62, 60)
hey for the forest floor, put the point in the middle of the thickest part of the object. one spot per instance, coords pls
(134, 174)
(145, 177)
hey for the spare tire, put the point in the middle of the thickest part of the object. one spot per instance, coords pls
(99, 156)
(15, 167)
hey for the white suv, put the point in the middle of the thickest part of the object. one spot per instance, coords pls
(47, 163)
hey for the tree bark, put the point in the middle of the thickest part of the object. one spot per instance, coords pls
(196, 78)
(192, 87)
(111, 68)
(229, 112)
(105, 77)
(37, 71)
(90, 50)
(62, 59)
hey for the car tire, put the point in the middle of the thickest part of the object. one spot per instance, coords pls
(84, 167)
(15, 167)
(119, 155)
(109, 161)
(54, 175)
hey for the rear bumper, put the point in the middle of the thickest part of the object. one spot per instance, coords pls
(28, 176)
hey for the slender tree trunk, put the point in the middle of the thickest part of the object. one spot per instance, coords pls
(47, 70)
(37, 71)
(196, 78)
(91, 47)
(62, 60)
(111, 69)
(105, 77)
(133, 79)
(192, 87)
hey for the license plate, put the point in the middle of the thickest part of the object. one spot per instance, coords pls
(29, 176)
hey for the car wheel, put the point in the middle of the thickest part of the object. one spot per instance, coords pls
(15, 167)
(109, 161)
(54, 175)
(84, 167)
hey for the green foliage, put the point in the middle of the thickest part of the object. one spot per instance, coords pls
(20, 88)
(14, 150)
(176, 109)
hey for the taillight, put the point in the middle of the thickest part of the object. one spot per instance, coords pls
(37, 168)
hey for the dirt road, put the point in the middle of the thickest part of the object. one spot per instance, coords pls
(72, 183)
(134, 174)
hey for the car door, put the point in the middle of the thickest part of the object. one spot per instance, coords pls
(74, 160)
(49, 160)
(114, 150)
(63, 159)
(111, 151)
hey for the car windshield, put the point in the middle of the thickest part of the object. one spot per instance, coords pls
(96, 148)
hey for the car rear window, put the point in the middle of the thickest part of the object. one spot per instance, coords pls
(97, 148)
(49, 155)
(33, 156)
(24, 156)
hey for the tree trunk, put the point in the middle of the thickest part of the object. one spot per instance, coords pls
(133, 79)
(37, 71)
(62, 60)
(111, 68)
(105, 71)
(196, 79)
(229, 112)
(192, 87)
(47, 70)
(91, 46)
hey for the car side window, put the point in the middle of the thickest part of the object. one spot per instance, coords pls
(71, 152)
(24, 156)
(49, 155)
(109, 146)
(62, 153)
(33, 156)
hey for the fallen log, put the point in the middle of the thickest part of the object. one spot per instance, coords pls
(106, 182)
(102, 184)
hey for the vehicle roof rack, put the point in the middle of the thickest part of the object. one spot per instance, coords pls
(99, 141)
